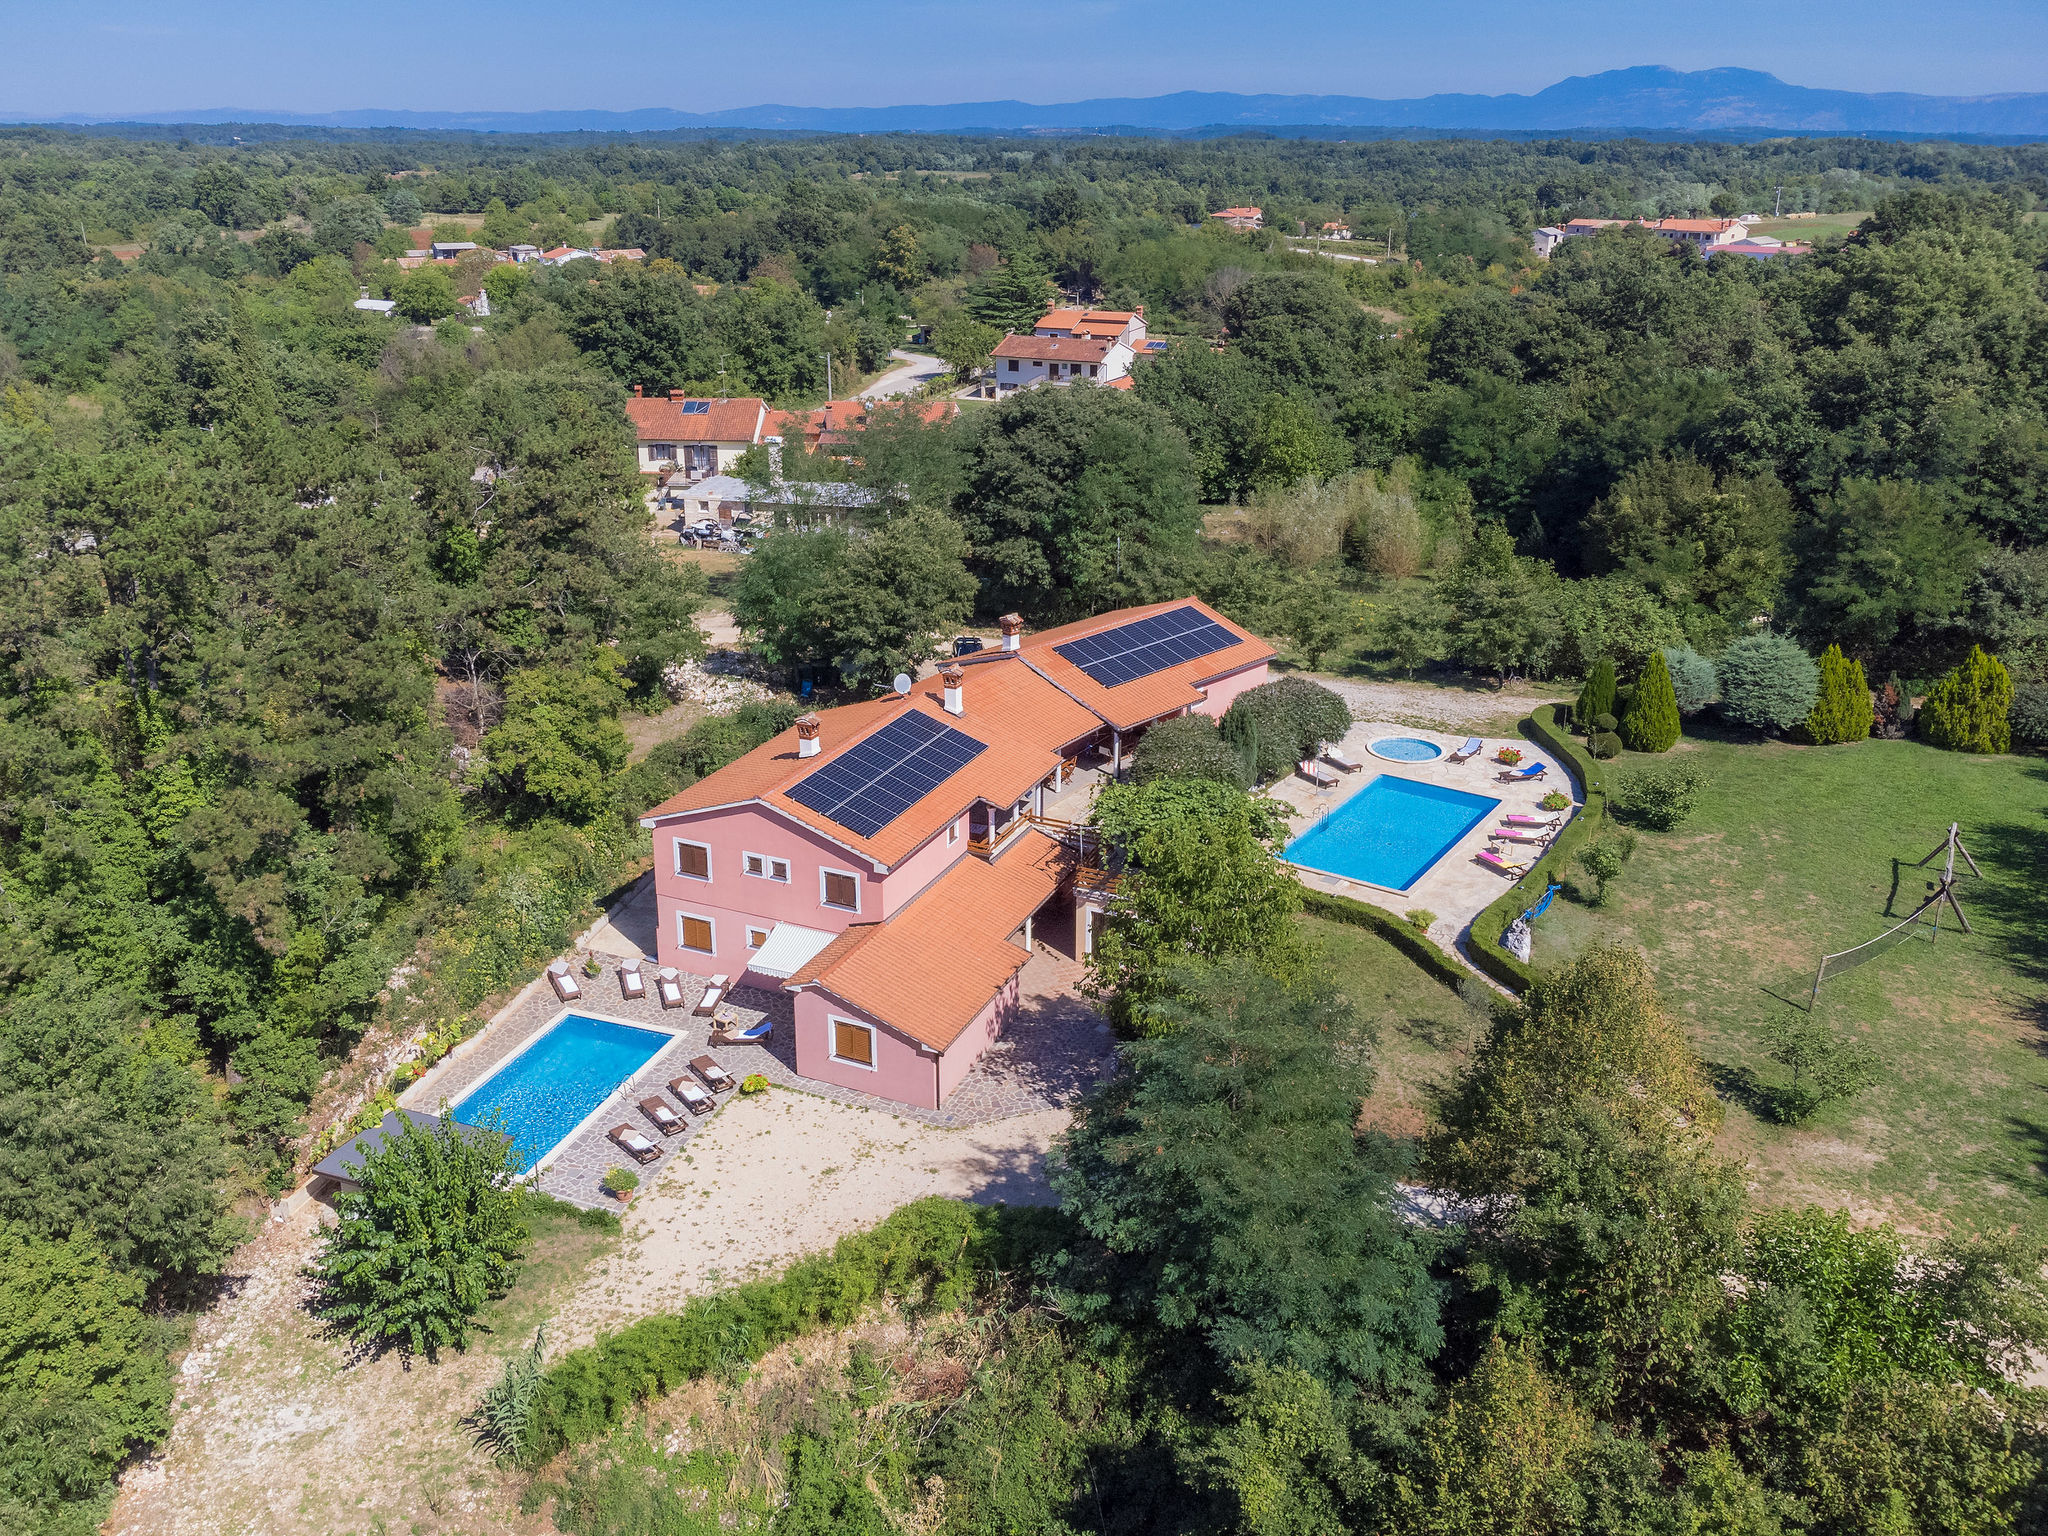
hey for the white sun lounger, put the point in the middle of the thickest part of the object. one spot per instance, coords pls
(668, 986)
(567, 988)
(713, 996)
(1317, 774)
(631, 982)
(1336, 759)
(1472, 748)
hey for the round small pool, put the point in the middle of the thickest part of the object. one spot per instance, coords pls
(1405, 749)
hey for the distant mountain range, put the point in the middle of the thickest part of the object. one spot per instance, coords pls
(1647, 97)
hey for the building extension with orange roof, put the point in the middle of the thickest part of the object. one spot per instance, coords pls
(885, 862)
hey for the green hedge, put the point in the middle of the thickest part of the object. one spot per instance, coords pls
(1359, 914)
(1548, 726)
(933, 1250)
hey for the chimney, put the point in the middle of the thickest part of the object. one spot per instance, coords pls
(807, 736)
(1013, 630)
(953, 677)
(636, 391)
(677, 395)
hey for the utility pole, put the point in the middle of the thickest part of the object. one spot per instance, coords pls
(828, 373)
(1778, 207)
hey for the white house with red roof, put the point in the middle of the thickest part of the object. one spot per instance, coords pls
(1096, 345)
(1241, 218)
(690, 437)
(885, 862)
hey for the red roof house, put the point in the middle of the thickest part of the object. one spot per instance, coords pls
(693, 436)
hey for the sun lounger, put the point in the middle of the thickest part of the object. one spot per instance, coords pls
(713, 996)
(631, 982)
(752, 1034)
(633, 1144)
(1472, 748)
(1317, 774)
(1523, 819)
(716, 1078)
(1519, 835)
(666, 1120)
(668, 986)
(1335, 757)
(1522, 775)
(1494, 861)
(694, 1098)
(567, 988)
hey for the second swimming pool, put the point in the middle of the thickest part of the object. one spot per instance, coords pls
(1390, 832)
(547, 1090)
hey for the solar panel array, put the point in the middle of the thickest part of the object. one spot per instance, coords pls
(696, 407)
(1132, 651)
(869, 787)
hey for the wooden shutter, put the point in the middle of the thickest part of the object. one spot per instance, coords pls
(841, 891)
(693, 859)
(850, 1042)
(697, 934)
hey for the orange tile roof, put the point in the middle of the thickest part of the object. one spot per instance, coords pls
(1057, 349)
(1021, 719)
(1123, 381)
(1143, 698)
(965, 917)
(1699, 226)
(661, 419)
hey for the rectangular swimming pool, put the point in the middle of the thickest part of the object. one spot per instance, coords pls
(1390, 832)
(547, 1090)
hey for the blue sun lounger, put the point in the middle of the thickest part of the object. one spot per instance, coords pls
(1522, 775)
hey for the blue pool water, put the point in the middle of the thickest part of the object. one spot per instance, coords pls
(544, 1092)
(1406, 749)
(1390, 832)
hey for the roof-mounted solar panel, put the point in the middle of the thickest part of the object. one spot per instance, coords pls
(696, 407)
(1132, 651)
(869, 786)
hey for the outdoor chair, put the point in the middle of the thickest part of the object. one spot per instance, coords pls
(1494, 861)
(631, 982)
(693, 1098)
(1472, 748)
(714, 994)
(1538, 835)
(1317, 774)
(1336, 759)
(633, 1144)
(1528, 775)
(716, 1078)
(668, 986)
(567, 988)
(1523, 819)
(666, 1120)
(751, 1034)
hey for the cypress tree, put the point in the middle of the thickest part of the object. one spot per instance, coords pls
(1843, 711)
(1597, 697)
(1970, 709)
(1651, 724)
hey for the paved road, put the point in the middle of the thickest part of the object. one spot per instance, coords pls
(1302, 250)
(902, 381)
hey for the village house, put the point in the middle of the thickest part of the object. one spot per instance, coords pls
(1335, 231)
(1098, 345)
(1702, 235)
(692, 438)
(888, 863)
(1241, 218)
(836, 425)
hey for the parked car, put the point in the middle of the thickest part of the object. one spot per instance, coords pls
(966, 645)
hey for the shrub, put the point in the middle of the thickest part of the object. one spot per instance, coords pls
(1187, 748)
(505, 1416)
(1970, 710)
(1556, 800)
(1293, 718)
(1597, 697)
(1693, 680)
(1767, 683)
(2030, 716)
(1602, 862)
(753, 1083)
(619, 1181)
(1603, 741)
(1651, 724)
(1825, 1069)
(1241, 733)
(1660, 797)
(1843, 711)
(427, 1239)
(1420, 918)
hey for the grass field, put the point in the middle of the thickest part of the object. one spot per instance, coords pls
(1425, 1029)
(1790, 855)
(1826, 224)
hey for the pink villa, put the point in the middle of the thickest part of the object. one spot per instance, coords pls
(885, 862)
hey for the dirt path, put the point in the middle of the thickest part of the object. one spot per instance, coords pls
(276, 1433)
(1433, 706)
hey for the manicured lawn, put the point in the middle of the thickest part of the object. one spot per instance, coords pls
(1424, 1028)
(1789, 855)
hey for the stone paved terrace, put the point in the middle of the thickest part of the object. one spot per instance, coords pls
(1057, 1047)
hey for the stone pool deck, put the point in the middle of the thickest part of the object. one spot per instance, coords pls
(1457, 888)
(1055, 1050)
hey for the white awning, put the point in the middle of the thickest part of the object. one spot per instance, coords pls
(788, 949)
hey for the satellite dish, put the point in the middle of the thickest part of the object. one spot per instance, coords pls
(903, 682)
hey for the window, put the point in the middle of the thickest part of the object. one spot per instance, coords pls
(694, 933)
(839, 889)
(853, 1043)
(756, 937)
(693, 860)
(952, 833)
(761, 867)
(661, 450)
(1091, 370)
(1013, 365)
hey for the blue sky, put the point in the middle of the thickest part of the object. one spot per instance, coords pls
(519, 55)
